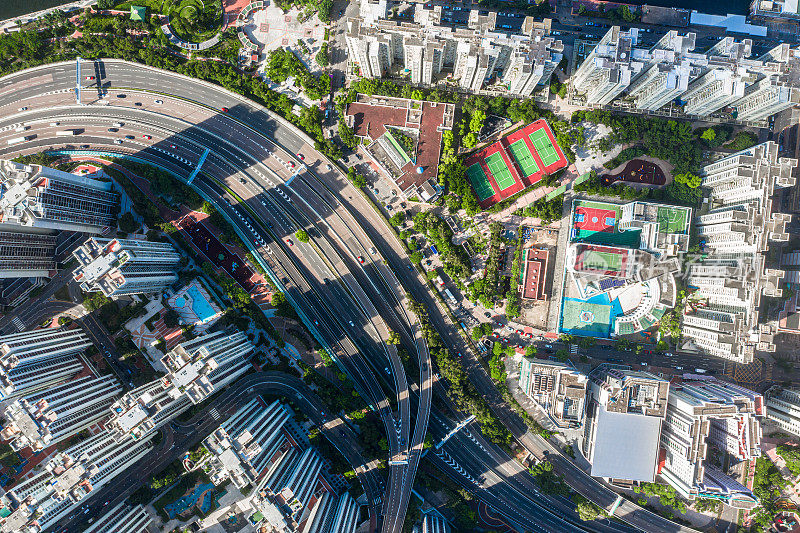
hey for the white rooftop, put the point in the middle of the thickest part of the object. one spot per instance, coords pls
(626, 446)
(186, 374)
(132, 418)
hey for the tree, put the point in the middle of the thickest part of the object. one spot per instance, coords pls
(497, 349)
(171, 318)
(477, 333)
(322, 56)
(398, 218)
(394, 338)
(127, 223)
(301, 235)
(709, 136)
(587, 511)
(530, 351)
(358, 180)
(497, 368)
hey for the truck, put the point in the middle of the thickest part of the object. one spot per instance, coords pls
(66, 133)
(16, 140)
(22, 128)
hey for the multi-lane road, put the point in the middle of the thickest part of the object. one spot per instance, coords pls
(345, 293)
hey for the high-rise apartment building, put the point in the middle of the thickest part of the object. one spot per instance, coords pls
(557, 388)
(122, 518)
(243, 446)
(125, 266)
(69, 477)
(705, 413)
(432, 523)
(26, 255)
(736, 233)
(765, 98)
(427, 51)
(47, 417)
(671, 72)
(624, 413)
(45, 198)
(783, 408)
(610, 67)
(196, 369)
(32, 360)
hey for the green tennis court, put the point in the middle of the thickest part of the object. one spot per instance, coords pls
(547, 152)
(524, 158)
(480, 182)
(595, 260)
(502, 174)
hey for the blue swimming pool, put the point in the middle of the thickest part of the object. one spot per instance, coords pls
(180, 301)
(200, 305)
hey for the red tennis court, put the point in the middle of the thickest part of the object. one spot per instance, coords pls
(592, 219)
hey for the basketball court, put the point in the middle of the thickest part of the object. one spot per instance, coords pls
(547, 152)
(591, 219)
(500, 171)
(479, 182)
(522, 154)
(586, 319)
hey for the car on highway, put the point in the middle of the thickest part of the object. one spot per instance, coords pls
(89, 78)
(361, 259)
(130, 137)
(487, 314)
(224, 109)
(678, 368)
(328, 167)
(117, 141)
(373, 251)
(644, 364)
(159, 101)
(301, 157)
(389, 372)
(113, 130)
(23, 108)
(172, 146)
(291, 164)
(84, 146)
(351, 323)
(290, 242)
(148, 137)
(138, 104)
(122, 96)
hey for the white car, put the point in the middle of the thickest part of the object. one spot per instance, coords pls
(117, 141)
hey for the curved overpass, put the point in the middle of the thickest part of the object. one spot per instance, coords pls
(178, 137)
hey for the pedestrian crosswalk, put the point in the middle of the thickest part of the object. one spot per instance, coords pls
(214, 413)
(19, 324)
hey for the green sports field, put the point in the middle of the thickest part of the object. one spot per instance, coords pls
(502, 174)
(547, 152)
(673, 219)
(579, 317)
(524, 158)
(479, 182)
(595, 260)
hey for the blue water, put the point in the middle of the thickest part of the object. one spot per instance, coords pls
(200, 305)
(177, 507)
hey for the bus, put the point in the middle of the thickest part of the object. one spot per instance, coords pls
(16, 140)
